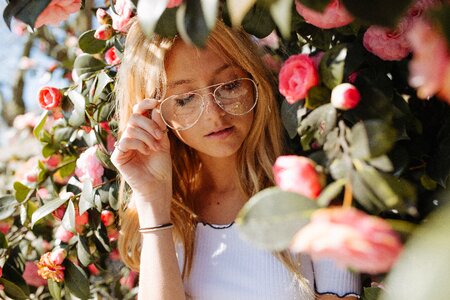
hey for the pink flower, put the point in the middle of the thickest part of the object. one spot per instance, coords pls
(419, 7)
(350, 237)
(103, 17)
(114, 255)
(53, 161)
(107, 217)
(111, 56)
(345, 96)
(81, 220)
(113, 234)
(63, 234)
(297, 174)
(58, 255)
(271, 41)
(49, 269)
(104, 32)
(49, 97)
(57, 11)
(31, 276)
(124, 14)
(27, 120)
(430, 66)
(386, 43)
(93, 269)
(130, 280)
(89, 167)
(297, 76)
(334, 15)
(43, 193)
(32, 175)
(4, 227)
(174, 3)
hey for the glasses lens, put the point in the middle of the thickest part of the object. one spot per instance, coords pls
(237, 97)
(181, 111)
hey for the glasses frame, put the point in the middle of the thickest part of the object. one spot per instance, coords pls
(202, 96)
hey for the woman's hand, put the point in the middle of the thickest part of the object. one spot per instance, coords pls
(142, 156)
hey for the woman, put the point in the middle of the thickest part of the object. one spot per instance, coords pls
(199, 132)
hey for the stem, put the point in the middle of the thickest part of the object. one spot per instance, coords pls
(348, 195)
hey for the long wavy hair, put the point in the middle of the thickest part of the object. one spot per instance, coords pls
(142, 75)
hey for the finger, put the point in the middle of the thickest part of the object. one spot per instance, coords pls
(142, 135)
(156, 116)
(127, 144)
(145, 105)
(137, 120)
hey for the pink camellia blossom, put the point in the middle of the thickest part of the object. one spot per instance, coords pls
(53, 161)
(350, 237)
(58, 255)
(48, 269)
(31, 276)
(174, 3)
(111, 57)
(103, 17)
(43, 193)
(89, 167)
(27, 120)
(419, 7)
(104, 32)
(32, 175)
(113, 234)
(130, 280)
(386, 43)
(57, 11)
(5, 226)
(334, 15)
(430, 66)
(49, 97)
(297, 174)
(93, 269)
(63, 234)
(121, 20)
(107, 217)
(297, 76)
(345, 96)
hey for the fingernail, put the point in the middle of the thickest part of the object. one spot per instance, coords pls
(158, 133)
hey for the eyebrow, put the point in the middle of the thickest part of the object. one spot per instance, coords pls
(186, 81)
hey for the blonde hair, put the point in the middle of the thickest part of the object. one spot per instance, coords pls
(144, 58)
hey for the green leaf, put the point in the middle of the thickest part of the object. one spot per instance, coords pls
(12, 290)
(40, 124)
(427, 182)
(77, 117)
(76, 280)
(364, 195)
(89, 44)
(289, 117)
(87, 63)
(84, 256)
(191, 23)
(381, 12)
(86, 197)
(149, 12)
(101, 239)
(281, 11)
(330, 192)
(272, 217)
(68, 220)
(8, 206)
(382, 163)
(68, 168)
(427, 251)
(3, 241)
(237, 10)
(62, 134)
(371, 293)
(55, 289)
(210, 10)
(317, 5)
(26, 11)
(167, 23)
(21, 191)
(317, 96)
(23, 214)
(102, 81)
(48, 150)
(258, 22)
(46, 209)
(113, 197)
(371, 138)
(317, 125)
(332, 65)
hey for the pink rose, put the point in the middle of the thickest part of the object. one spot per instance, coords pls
(351, 238)
(31, 276)
(49, 97)
(107, 217)
(93, 269)
(63, 234)
(297, 76)
(124, 14)
(386, 43)
(430, 66)
(103, 17)
(58, 255)
(174, 3)
(345, 96)
(297, 174)
(104, 32)
(334, 15)
(130, 280)
(57, 11)
(89, 167)
(111, 57)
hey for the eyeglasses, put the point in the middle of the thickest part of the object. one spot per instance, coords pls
(236, 97)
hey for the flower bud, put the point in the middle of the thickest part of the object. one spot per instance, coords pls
(103, 17)
(104, 32)
(49, 97)
(58, 255)
(345, 96)
(63, 234)
(107, 217)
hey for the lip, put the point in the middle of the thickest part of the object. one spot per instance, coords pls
(222, 132)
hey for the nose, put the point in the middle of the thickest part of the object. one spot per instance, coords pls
(211, 106)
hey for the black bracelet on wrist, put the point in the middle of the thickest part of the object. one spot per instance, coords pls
(155, 228)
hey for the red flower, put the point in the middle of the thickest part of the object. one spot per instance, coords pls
(48, 268)
(104, 32)
(107, 217)
(49, 97)
(345, 96)
(111, 57)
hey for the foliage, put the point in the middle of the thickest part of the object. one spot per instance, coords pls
(387, 156)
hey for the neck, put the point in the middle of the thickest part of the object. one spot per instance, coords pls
(219, 175)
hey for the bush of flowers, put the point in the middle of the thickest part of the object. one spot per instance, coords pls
(364, 93)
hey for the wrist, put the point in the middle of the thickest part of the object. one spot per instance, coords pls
(152, 215)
